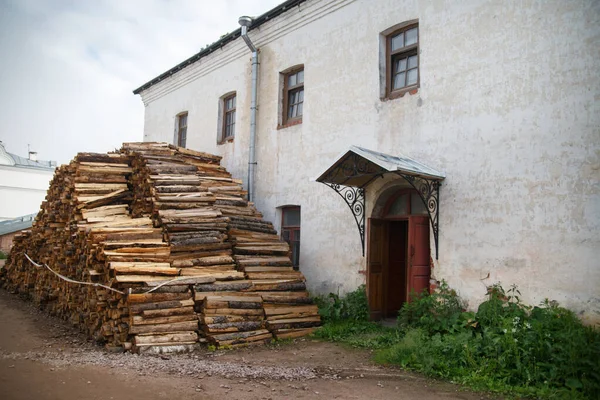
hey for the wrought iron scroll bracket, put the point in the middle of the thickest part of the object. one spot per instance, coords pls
(355, 199)
(429, 191)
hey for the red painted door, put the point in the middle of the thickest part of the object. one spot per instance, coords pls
(419, 269)
(376, 254)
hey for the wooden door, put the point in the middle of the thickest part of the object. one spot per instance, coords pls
(419, 269)
(395, 278)
(376, 254)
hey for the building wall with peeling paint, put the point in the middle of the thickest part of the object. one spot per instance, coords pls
(508, 107)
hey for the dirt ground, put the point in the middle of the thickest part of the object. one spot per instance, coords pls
(43, 358)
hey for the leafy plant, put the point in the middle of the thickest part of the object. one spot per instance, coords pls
(3, 255)
(439, 312)
(353, 306)
(506, 346)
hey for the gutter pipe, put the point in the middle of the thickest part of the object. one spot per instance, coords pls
(245, 22)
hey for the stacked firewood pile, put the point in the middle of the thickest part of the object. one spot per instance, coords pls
(83, 221)
(177, 253)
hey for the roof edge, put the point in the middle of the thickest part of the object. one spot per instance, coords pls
(230, 37)
(422, 170)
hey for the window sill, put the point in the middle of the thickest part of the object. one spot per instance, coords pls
(289, 123)
(226, 140)
(412, 90)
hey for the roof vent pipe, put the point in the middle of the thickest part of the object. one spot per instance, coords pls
(245, 22)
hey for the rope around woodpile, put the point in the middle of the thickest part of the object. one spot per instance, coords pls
(69, 279)
(99, 284)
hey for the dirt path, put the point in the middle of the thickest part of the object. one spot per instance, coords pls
(41, 358)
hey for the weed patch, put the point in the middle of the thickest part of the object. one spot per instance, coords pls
(506, 346)
(352, 307)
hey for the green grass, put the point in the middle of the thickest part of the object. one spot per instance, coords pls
(362, 334)
(505, 347)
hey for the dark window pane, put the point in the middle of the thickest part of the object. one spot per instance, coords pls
(292, 80)
(291, 217)
(295, 254)
(412, 62)
(233, 101)
(286, 235)
(417, 207)
(301, 95)
(182, 137)
(400, 206)
(301, 76)
(300, 109)
(399, 80)
(411, 36)
(400, 65)
(411, 78)
(398, 41)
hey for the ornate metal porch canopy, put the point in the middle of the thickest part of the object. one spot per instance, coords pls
(355, 169)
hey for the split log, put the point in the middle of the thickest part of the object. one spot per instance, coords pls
(161, 305)
(149, 339)
(159, 328)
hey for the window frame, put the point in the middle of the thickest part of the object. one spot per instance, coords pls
(286, 91)
(295, 232)
(409, 50)
(409, 205)
(223, 133)
(180, 127)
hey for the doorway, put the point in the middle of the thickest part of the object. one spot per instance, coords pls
(396, 269)
(398, 257)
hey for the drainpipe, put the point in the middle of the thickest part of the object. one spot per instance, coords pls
(245, 22)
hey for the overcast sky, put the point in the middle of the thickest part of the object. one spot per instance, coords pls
(68, 67)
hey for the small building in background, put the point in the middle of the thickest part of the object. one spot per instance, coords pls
(11, 227)
(23, 183)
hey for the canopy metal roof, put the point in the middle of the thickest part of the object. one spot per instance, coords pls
(358, 167)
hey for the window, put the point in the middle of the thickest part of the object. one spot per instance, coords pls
(227, 129)
(182, 129)
(402, 60)
(290, 231)
(293, 96)
(404, 203)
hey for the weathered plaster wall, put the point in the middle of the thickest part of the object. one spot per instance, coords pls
(508, 107)
(22, 190)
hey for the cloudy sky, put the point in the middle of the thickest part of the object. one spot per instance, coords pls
(68, 67)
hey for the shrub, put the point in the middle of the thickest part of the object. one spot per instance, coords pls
(439, 312)
(542, 351)
(3, 256)
(506, 346)
(353, 306)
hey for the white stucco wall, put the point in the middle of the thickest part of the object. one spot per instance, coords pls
(22, 190)
(508, 107)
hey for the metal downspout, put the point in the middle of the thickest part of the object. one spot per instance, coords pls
(245, 22)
